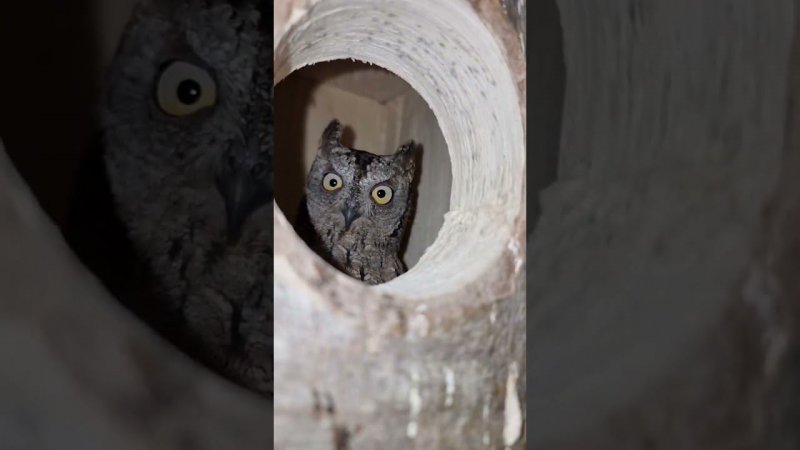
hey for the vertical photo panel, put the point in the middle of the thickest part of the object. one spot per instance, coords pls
(136, 224)
(400, 224)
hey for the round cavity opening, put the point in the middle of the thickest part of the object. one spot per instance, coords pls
(379, 112)
(447, 56)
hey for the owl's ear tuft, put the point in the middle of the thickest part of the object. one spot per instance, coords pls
(406, 155)
(332, 136)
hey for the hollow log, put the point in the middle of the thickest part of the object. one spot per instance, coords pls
(434, 359)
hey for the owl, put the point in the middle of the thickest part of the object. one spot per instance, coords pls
(359, 205)
(187, 150)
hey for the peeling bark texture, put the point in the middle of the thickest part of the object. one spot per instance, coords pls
(434, 359)
(664, 269)
(79, 372)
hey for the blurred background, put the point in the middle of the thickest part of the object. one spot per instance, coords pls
(54, 56)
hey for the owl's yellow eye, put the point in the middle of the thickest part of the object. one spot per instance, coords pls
(382, 195)
(332, 182)
(185, 89)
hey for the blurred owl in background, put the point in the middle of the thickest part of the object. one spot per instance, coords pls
(359, 205)
(187, 152)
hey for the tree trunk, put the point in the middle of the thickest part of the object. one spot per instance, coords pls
(436, 358)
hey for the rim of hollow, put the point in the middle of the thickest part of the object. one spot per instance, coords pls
(446, 53)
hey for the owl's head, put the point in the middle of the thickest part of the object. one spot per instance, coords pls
(188, 118)
(353, 192)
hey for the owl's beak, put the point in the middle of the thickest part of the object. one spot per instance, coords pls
(350, 214)
(243, 194)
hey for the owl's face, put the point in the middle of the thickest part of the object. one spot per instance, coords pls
(188, 123)
(355, 194)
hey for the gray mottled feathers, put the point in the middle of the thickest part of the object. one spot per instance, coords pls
(188, 150)
(359, 205)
